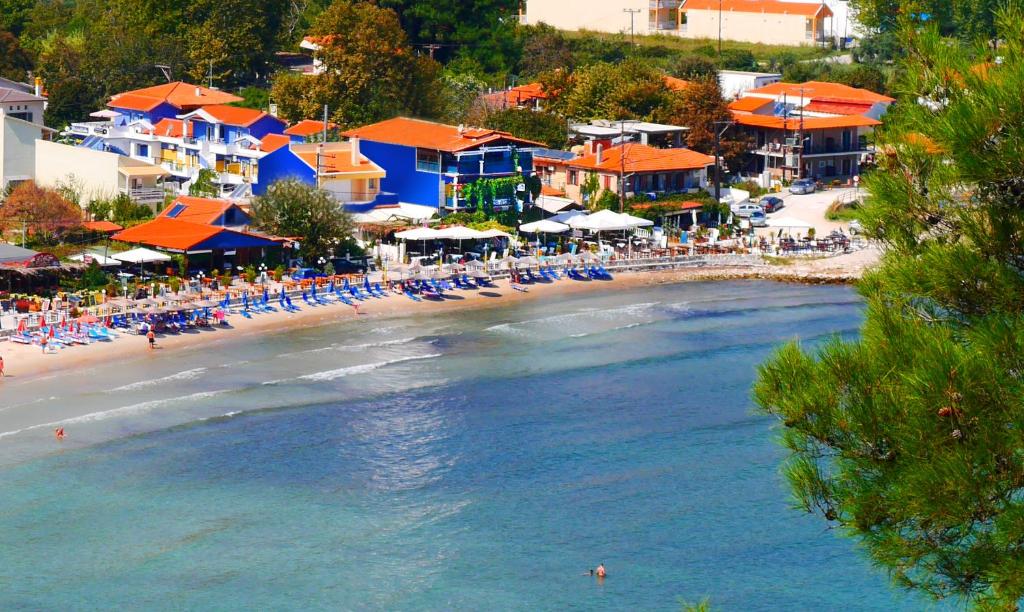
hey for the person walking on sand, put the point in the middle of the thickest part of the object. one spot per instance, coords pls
(42, 342)
(152, 339)
(2, 367)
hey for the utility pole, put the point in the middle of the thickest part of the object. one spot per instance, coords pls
(211, 74)
(718, 157)
(622, 169)
(632, 31)
(431, 48)
(719, 31)
(325, 124)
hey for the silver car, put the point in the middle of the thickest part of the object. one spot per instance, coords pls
(758, 219)
(746, 209)
(802, 186)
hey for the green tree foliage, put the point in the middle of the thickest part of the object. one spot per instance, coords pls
(541, 127)
(865, 76)
(544, 48)
(460, 93)
(483, 30)
(370, 71)
(293, 208)
(14, 14)
(698, 107)
(692, 66)
(125, 211)
(910, 437)
(202, 186)
(965, 19)
(14, 61)
(629, 90)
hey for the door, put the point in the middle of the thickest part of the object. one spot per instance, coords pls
(847, 139)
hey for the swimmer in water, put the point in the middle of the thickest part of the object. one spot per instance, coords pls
(59, 433)
(600, 572)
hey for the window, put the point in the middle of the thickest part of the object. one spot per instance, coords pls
(428, 161)
(372, 184)
(574, 177)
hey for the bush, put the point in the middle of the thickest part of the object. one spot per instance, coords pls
(175, 284)
(842, 211)
(249, 274)
(279, 273)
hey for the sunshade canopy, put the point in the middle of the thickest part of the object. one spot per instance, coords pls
(544, 226)
(141, 255)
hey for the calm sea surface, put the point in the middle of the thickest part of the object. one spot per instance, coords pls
(473, 461)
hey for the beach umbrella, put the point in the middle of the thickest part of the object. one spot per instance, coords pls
(545, 226)
(88, 318)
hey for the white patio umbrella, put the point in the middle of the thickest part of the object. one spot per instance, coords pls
(636, 221)
(422, 234)
(564, 217)
(544, 226)
(141, 256)
(601, 221)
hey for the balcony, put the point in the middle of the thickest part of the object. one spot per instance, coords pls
(92, 128)
(779, 150)
(669, 5)
(146, 195)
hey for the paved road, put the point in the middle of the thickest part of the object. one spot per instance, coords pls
(811, 209)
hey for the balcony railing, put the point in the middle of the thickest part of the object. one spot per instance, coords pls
(146, 195)
(779, 149)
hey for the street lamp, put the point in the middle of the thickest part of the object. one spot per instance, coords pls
(263, 273)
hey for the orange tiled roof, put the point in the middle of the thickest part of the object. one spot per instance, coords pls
(774, 7)
(675, 84)
(517, 96)
(177, 235)
(234, 115)
(169, 233)
(102, 226)
(169, 127)
(820, 90)
(548, 190)
(197, 210)
(429, 135)
(838, 108)
(809, 123)
(309, 127)
(643, 158)
(749, 105)
(339, 162)
(273, 142)
(178, 94)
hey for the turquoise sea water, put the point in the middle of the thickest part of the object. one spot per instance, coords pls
(473, 461)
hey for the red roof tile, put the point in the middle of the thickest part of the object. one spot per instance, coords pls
(643, 158)
(197, 210)
(273, 142)
(175, 234)
(170, 127)
(820, 90)
(774, 7)
(309, 127)
(178, 94)
(102, 226)
(234, 115)
(838, 108)
(339, 162)
(809, 123)
(749, 105)
(436, 136)
(687, 205)
(516, 96)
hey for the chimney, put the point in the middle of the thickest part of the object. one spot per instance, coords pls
(462, 128)
(39, 87)
(354, 145)
(600, 153)
(199, 92)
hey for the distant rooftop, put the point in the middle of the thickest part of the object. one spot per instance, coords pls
(606, 129)
(181, 95)
(436, 136)
(16, 95)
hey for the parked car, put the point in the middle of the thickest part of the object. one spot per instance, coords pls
(745, 210)
(349, 266)
(771, 204)
(306, 273)
(758, 219)
(804, 185)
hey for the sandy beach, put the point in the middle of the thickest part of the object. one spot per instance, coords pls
(25, 363)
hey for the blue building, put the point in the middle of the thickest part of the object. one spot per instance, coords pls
(430, 163)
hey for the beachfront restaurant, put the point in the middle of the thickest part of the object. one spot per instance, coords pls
(203, 246)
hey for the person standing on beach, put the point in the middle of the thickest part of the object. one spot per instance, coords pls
(2, 367)
(42, 342)
(152, 339)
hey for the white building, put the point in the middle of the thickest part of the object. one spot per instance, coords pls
(22, 105)
(99, 174)
(18, 140)
(789, 22)
(735, 82)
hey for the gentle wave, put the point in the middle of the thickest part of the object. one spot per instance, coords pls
(351, 347)
(142, 384)
(349, 370)
(629, 310)
(121, 411)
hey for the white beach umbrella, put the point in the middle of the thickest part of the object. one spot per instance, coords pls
(459, 233)
(544, 226)
(601, 221)
(419, 233)
(565, 216)
(636, 221)
(494, 233)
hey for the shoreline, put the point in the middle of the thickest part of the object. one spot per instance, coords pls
(25, 363)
